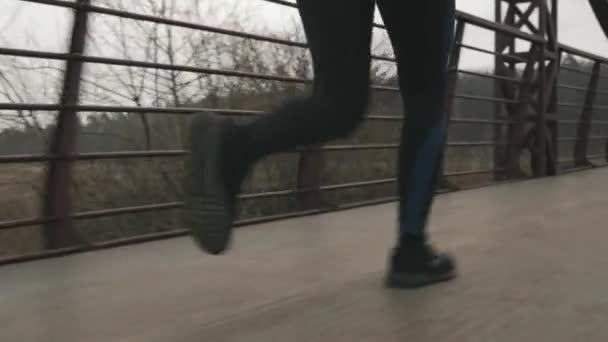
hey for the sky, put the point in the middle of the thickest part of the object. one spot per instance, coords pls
(24, 24)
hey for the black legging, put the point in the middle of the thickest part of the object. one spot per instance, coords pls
(339, 34)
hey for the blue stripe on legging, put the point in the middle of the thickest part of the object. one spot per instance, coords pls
(422, 182)
(421, 185)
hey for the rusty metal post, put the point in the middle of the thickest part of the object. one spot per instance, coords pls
(60, 232)
(498, 151)
(309, 177)
(554, 49)
(584, 124)
(452, 82)
(540, 158)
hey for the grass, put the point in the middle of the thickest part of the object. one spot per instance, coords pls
(20, 188)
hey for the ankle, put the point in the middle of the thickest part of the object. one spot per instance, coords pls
(237, 155)
(411, 240)
(238, 145)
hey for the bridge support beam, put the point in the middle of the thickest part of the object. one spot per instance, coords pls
(536, 95)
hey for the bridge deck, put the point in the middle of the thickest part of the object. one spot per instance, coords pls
(532, 259)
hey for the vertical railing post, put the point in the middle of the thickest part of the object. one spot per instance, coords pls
(452, 83)
(453, 64)
(309, 177)
(60, 231)
(584, 124)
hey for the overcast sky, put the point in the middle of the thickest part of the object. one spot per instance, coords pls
(21, 23)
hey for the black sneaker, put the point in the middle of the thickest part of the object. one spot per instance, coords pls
(417, 264)
(211, 192)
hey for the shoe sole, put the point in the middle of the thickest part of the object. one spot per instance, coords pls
(208, 211)
(410, 281)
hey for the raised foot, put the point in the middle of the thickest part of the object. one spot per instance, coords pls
(209, 208)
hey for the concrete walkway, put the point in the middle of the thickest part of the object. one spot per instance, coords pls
(533, 261)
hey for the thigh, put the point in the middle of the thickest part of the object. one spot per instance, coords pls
(339, 35)
(421, 33)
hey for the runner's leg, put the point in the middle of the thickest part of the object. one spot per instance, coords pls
(339, 34)
(421, 34)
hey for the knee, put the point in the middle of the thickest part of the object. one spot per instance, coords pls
(350, 118)
(347, 113)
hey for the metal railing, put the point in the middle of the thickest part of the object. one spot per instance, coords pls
(58, 217)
